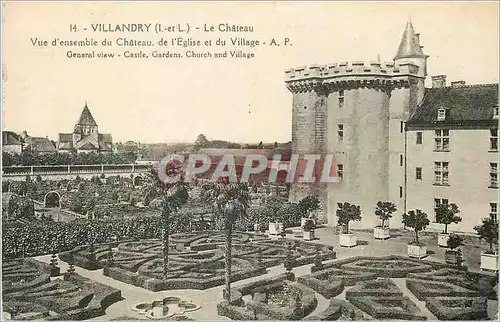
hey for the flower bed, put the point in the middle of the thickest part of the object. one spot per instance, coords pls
(458, 308)
(340, 310)
(380, 287)
(329, 288)
(423, 289)
(74, 298)
(397, 268)
(399, 308)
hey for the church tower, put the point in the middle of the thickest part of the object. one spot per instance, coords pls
(86, 125)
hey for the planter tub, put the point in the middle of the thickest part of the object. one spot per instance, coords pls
(381, 233)
(489, 262)
(417, 251)
(309, 235)
(275, 228)
(452, 257)
(347, 240)
(443, 240)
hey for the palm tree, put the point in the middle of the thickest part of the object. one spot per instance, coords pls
(174, 195)
(232, 201)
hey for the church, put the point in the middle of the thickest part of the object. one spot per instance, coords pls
(85, 137)
(396, 140)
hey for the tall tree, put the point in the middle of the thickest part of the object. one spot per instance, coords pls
(231, 200)
(174, 194)
(489, 232)
(201, 142)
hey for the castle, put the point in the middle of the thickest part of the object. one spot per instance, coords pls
(395, 140)
(85, 136)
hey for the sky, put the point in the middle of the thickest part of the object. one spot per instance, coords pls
(245, 100)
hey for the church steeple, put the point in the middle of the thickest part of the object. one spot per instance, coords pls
(409, 46)
(86, 117)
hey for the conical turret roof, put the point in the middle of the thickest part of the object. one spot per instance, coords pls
(86, 117)
(410, 45)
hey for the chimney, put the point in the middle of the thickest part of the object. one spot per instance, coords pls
(457, 83)
(438, 81)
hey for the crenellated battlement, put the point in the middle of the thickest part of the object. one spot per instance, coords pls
(355, 68)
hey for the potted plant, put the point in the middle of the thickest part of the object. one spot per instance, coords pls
(384, 212)
(346, 213)
(417, 220)
(308, 229)
(454, 255)
(446, 214)
(489, 232)
(306, 206)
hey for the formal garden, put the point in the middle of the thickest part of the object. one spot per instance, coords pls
(236, 243)
(32, 290)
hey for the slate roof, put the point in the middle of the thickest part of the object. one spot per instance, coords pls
(11, 138)
(65, 137)
(43, 145)
(86, 117)
(409, 46)
(106, 138)
(472, 104)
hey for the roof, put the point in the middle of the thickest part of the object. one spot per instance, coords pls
(88, 146)
(65, 137)
(464, 104)
(39, 144)
(86, 117)
(11, 138)
(106, 138)
(410, 45)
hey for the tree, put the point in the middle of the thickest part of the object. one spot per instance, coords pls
(175, 195)
(489, 232)
(232, 200)
(201, 142)
(346, 213)
(260, 146)
(7, 159)
(307, 205)
(417, 220)
(446, 214)
(384, 211)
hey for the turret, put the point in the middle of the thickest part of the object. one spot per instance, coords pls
(410, 50)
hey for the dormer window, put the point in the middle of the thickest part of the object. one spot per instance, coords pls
(495, 112)
(441, 114)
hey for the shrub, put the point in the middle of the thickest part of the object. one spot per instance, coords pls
(446, 214)
(384, 211)
(417, 220)
(346, 213)
(489, 232)
(454, 241)
(309, 225)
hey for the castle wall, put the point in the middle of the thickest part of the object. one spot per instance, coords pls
(363, 152)
(469, 177)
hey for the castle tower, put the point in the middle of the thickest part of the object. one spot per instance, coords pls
(356, 111)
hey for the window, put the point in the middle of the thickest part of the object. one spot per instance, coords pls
(441, 173)
(400, 192)
(494, 139)
(340, 170)
(438, 202)
(419, 137)
(494, 210)
(401, 126)
(340, 132)
(493, 175)
(442, 140)
(418, 173)
(441, 114)
(341, 98)
(495, 112)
